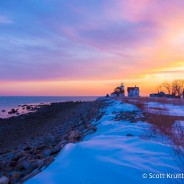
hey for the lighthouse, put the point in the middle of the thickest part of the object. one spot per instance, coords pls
(122, 90)
(118, 91)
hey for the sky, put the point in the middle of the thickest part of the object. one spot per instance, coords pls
(88, 47)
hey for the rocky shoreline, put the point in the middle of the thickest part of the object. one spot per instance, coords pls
(30, 142)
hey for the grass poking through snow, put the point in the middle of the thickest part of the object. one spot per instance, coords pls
(163, 123)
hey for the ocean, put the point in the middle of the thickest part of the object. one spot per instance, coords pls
(10, 102)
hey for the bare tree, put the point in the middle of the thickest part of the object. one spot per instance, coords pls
(166, 87)
(159, 88)
(178, 87)
(117, 89)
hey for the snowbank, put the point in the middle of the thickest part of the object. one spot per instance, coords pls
(115, 154)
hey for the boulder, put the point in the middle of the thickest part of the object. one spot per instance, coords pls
(4, 180)
(94, 128)
(22, 159)
(31, 168)
(48, 161)
(28, 176)
(81, 127)
(40, 163)
(74, 135)
(13, 111)
(21, 165)
(88, 126)
(19, 155)
(15, 177)
(31, 160)
(28, 108)
(46, 153)
(57, 149)
(27, 148)
(12, 163)
(41, 147)
(63, 141)
(8, 169)
(39, 156)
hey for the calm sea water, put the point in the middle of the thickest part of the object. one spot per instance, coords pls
(14, 101)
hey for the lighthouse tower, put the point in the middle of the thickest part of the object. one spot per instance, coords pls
(122, 90)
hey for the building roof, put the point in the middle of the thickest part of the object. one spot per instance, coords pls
(161, 92)
(132, 88)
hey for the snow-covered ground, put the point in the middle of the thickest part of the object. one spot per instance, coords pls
(173, 110)
(117, 153)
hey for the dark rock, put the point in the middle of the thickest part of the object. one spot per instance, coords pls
(64, 141)
(39, 156)
(40, 163)
(27, 148)
(31, 160)
(12, 163)
(129, 135)
(1, 169)
(28, 176)
(28, 108)
(74, 135)
(13, 111)
(46, 153)
(94, 128)
(31, 168)
(20, 166)
(57, 149)
(19, 155)
(81, 127)
(10, 156)
(57, 139)
(3, 110)
(26, 167)
(8, 169)
(89, 132)
(34, 152)
(4, 180)
(88, 126)
(49, 161)
(22, 159)
(15, 177)
(41, 147)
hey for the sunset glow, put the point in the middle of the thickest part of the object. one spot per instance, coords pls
(80, 47)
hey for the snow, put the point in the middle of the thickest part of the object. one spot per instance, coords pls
(170, 109)
(110, 156)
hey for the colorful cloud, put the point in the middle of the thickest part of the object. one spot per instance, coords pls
(77, 42)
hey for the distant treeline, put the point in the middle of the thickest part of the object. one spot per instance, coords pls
(175, 87)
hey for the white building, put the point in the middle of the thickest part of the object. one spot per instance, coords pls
(133, 91)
